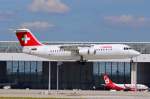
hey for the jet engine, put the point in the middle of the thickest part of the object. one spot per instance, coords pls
(84, 51)
(87, 51)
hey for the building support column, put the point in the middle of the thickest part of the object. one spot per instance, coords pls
(57, 87)
(58, 65)
(49, 76)
(134, 73)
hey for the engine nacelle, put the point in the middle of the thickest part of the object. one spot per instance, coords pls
(92, 51)
(84, 51)
(87, 51)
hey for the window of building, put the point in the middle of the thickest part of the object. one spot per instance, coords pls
(102, 68)
(21, 66)
(127, 68)
(27, 67)
(9, 67)
(33, 67)
(15, 66)
(95, 68)
(39, 67)
(108, 67)
(121, 68)
(114, 68)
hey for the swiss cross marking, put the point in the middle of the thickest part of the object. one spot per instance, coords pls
(25, 39)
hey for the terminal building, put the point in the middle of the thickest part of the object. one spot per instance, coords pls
(20, 70)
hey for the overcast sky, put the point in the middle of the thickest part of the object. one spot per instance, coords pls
(77, 20)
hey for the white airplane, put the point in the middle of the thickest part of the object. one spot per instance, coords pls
(73, 52)
(125, 87)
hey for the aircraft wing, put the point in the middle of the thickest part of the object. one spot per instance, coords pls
(75, 48)
(127, 88)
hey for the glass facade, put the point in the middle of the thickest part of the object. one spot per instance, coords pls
(34, 75)
(119, 72)
(72, 75)
(24, 74)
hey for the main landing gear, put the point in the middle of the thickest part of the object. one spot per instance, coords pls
(82, 61)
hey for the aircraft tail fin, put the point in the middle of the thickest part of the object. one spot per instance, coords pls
(107, 79)
(111, 85)
(26, 38)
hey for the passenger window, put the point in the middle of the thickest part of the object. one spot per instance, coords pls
(34, 49)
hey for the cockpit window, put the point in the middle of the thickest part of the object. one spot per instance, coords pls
(127, 48)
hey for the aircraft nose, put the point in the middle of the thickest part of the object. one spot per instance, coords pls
(136, 53)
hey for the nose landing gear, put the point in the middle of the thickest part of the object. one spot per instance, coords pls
(131, 60)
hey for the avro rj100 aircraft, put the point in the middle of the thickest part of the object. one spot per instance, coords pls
(73, 52)
(125, 87)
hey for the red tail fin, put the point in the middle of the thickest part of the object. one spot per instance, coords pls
(26, 38)
(107, 79)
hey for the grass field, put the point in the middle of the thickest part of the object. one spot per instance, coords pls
(29, 98)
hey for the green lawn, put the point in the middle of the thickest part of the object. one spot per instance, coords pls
(28, 98)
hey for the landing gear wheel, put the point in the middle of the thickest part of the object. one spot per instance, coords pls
(131, 61)
(82, 61)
